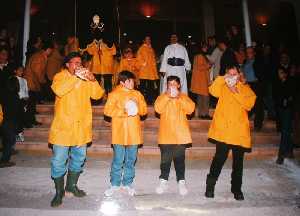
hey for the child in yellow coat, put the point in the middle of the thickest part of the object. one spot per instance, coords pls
(173, 107)
(125, 106)
(230, 128)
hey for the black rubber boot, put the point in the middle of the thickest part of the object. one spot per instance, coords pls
(237, 191)
(210, 187)
(60, 192)
(71, 185)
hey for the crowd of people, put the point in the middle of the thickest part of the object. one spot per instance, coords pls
(239, 82)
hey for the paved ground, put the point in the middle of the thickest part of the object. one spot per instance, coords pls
(269, 189)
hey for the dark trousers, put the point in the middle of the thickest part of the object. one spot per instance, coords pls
(21, 116)
(31, 107)
(286, 125)
(171, 153)
(219, 160)
(147, 87)
(107, 79)
(258, 108)
(8, 139)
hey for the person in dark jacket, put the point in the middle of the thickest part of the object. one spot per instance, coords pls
(6, 69)
(284, 97)
(228, 58)
(254, 74)
(11, 108)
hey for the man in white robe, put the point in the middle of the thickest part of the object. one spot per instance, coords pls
(175, 62)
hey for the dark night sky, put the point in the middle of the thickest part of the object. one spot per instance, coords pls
(58, 16)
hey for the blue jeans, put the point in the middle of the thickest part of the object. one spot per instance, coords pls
(67, 158)
(123, 162)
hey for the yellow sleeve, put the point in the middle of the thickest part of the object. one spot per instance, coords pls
(142, 105)
(96, 90)
(216, 87)
(63, 84)
(161, 102)
(245, 96)
(187, 104)
(113, 107)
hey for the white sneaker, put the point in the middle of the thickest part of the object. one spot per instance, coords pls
(163, 186)
(130, 190)
(21, 136)
(182, 188)
(110, 191)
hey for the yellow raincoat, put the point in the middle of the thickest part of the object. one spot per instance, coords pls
(173, 125)
(107, 58)
(102, 61)
(35, 71)
(94, 50)
(126, 130)
(147, 61)
(130, 64)
(230, 122)
(72, 123)
(54, 64)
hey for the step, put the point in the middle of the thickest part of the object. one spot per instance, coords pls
(150, 135)
(206, 151)
(152, 122)
(97, 110)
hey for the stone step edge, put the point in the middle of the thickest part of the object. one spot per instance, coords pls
(149, 130)
(192, 153)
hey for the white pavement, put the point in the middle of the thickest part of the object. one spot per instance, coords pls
(269, 189)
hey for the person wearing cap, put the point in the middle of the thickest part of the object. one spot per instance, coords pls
(71, 129)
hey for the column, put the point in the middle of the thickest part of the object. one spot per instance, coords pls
(246, 23)
(208, 15)
(26, 31)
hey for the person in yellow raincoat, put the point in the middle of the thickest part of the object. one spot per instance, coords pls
(125, 106)
(174, 133)
(71, 129)
(230, 128)
(35, 75)
(200, 82)
(72, 45)
(102, 62)
(148, 70)
(129, 63)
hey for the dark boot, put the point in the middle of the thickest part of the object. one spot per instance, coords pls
(71, 186)
(210, 186)
(237, 191)
(60, 192)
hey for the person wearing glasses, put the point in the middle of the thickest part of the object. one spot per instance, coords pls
(71, 129)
